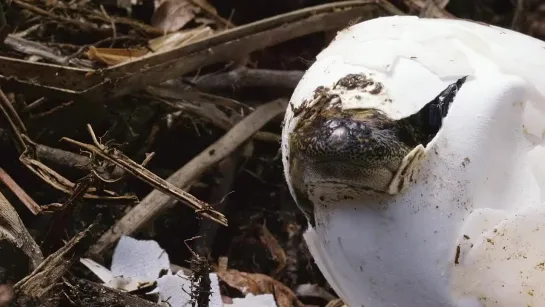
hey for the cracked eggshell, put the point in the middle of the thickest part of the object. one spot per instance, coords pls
(100, 271)
(135, 264)
(121, 282)
(483, 161)
(139, 259)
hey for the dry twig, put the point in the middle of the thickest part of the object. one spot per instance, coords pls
(200, 278)
(66, 82)
(47, 274)
(204, 106)
(19, 192)
(430, 8)
(80, 290)
(4, 27)
(277, 252)
(27, 149)
(156, 202)
(116, 157)
(14, 231)
(72, 160)
(33, 48)
(210, 10)
(245, 77)
(208, 230)
(85, 26)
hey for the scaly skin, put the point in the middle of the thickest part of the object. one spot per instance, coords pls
(363, 149)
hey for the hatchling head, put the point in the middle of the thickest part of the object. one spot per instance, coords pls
(361, 150)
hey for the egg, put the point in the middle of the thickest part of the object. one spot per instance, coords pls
(415, 148)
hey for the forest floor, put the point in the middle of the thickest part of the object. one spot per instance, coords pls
(90, 89)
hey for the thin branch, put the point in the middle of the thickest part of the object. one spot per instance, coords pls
(46, 275)
(116, 157)
(85, 26)
(225, 46)
(13, 230)
(246, 77)
(205, 6)
(16, 125)
(28, 47)
(156, 202)
(19, 192)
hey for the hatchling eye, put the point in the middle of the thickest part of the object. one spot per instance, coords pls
(333, 123)
(338, 136)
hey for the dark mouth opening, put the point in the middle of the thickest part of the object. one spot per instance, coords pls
(430, 117)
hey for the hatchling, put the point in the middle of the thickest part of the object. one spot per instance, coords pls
(414, 148)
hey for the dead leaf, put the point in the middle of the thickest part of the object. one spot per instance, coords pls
(336, 303)
(114, 56)
(172, 15)
(260, 284)
(6, 294)
(277, 252)
(179, 39)
(204, 4)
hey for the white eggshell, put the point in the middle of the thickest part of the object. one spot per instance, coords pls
(480, 172)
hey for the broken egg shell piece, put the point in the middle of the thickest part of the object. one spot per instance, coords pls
(424, 41)
(135, 264)
(119, 282)
(100, 271)
(139, 259)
